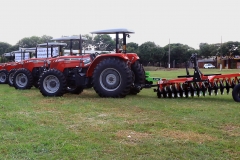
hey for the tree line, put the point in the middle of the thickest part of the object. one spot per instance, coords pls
(149, 52)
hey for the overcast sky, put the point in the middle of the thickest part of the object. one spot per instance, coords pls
(188, 22)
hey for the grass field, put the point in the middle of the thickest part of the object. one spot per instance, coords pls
(136, 127)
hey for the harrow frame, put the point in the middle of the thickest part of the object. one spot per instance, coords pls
(199, 84)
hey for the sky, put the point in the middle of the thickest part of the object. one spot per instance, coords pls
(188, 22)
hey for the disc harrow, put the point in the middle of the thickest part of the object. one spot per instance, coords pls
(188, 88)
(199, 84)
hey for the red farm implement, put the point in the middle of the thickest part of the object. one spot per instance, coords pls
(199, 84)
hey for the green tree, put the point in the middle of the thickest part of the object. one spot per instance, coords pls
(29, 42)
(132, 47)
(45, 39)
(179, 53)
(12, 48)
(150, 52)
(208, 50)
(3, 47)
(230, 48)
(103, 42)
(89, 40)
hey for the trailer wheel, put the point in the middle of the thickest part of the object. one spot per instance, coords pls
(52, 83)
(3, 76)
(139, 78)
(10, 77)
(75, 90)
(236, 93)
(22, 79)
(112, 78)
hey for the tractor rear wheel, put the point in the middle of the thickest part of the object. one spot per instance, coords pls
(10, 77)
(52, 83)
(22, 79)
(236, 93)
(112, 78)
(3, 76)
(138, 78)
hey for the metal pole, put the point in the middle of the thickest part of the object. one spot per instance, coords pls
(80, 44)
(71, 47)
(117, 43)
(169, 65)
(36, 52)
(221, 56)
(47, 49)
(124, 43)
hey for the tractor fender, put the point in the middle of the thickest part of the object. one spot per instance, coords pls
(132, 57)
(100, 58)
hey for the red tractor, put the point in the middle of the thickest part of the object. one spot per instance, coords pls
(111, 75)
(8, 67)
(20, 57)
(28, 75)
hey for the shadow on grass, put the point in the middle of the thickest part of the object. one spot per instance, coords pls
(145, 94)
(212, 98)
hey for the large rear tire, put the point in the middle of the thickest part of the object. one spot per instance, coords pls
(52, 83)
(3, 76)
(112, 78)
(139, 78)
(10, 77)
(22, 79)
(236, 93)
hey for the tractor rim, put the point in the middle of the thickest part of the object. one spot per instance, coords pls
(3, 77)
(21, 80)
(110, 79)
(51, 84)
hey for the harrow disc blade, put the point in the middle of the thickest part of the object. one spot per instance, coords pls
(204, 88)
(215, 88)
(221, 87)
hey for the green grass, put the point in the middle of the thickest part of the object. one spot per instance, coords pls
(136, 127)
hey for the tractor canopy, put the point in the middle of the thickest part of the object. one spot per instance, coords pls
(117, 31)
(51, 44)
(69, 38)
(113, 31)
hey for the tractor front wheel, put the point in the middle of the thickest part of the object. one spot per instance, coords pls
(52, 83)
(22, 79)
(10, 77)
(3, 76)
(112, 78)
(236, 93)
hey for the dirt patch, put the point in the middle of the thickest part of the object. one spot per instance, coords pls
(130, 137)
(187, 136)
(234, 154)
(231, 130)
